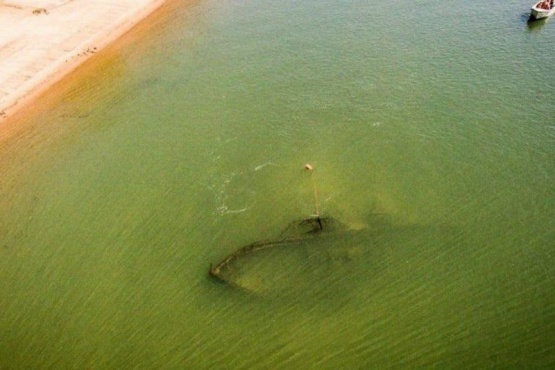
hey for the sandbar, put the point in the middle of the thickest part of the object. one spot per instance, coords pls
(44, 40)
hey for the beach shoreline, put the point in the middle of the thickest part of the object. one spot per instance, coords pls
(48, 39)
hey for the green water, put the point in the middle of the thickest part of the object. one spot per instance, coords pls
(185, 144)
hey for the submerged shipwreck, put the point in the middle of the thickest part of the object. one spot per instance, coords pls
(308, 229)
(304, 253)
(324, 257)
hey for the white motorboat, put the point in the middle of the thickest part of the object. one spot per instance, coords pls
(542, 9)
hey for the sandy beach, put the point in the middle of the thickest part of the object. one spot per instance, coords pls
(44, 40)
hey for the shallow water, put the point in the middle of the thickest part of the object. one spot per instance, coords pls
(187, 140)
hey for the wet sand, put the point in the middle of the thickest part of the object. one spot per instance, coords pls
(44, 40)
